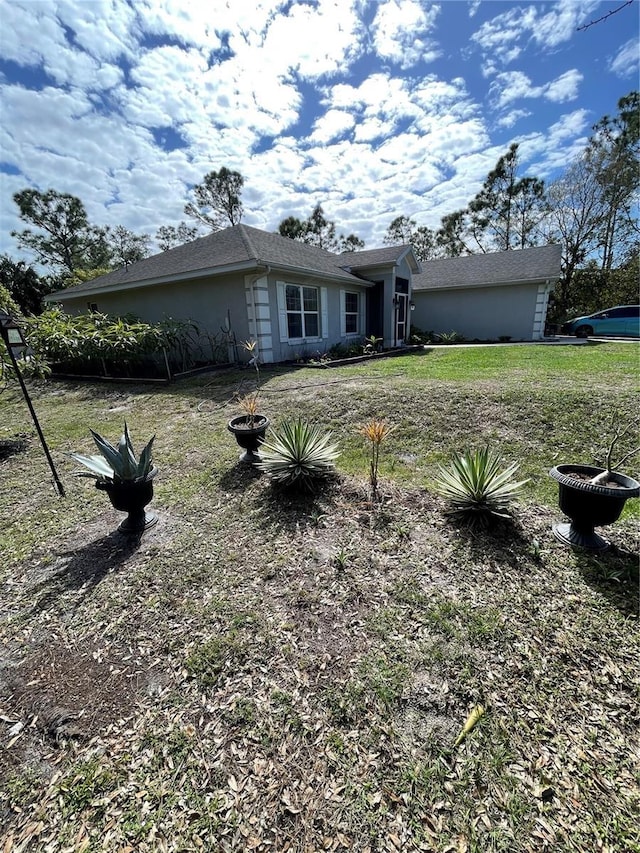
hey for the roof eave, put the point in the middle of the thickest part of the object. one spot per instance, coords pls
(417, 288)
(245, 266)
(319, 274)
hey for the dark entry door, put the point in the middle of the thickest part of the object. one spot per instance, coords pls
(375, 323)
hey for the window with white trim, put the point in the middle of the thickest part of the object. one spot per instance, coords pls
(351, 313)
(303, 311)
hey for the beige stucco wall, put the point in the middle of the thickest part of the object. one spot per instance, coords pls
(250, 300)
(485, 313)
(388, 276)
(204, 301)
(272, 348)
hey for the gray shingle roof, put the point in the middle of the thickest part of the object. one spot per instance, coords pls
(373, 257)
(236, 248)
(521, 265)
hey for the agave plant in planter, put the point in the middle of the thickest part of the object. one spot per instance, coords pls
(593, 496)
(250, 427)
(125, 477)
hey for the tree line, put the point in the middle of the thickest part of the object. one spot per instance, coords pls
(590, 210)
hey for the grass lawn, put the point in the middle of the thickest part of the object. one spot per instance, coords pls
(272, 673)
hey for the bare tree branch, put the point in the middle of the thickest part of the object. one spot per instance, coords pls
(604, 17)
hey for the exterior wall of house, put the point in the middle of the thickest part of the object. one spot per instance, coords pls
(387, 276)
(207, 302)
(271, 327)
(483, 313)
(255, 305)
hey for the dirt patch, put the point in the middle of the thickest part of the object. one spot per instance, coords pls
(58, 694)
(13, 446)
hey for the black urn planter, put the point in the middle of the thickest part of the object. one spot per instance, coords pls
(249, 437)
(589, 505)
(132, 496)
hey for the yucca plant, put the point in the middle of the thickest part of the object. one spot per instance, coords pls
(251, 347)
(249, 405)
(116, 463)
(297, 454)
(375, 431)
(477, 486)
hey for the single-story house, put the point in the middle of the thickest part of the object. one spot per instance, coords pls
(296, 300)
(487, 296)
(292, 298)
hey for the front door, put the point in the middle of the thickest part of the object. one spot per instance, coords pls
(375, 316)
(402, 300)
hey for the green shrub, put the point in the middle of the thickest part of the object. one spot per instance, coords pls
(297, 454)
(477, 487)
(88, 343)
(449, 338)
(338, 351)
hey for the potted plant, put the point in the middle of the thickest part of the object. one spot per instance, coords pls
(371, 345)
(250, 428)
(126, 478)
(593, 497)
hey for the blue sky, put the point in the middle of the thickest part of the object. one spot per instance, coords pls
(373, 109)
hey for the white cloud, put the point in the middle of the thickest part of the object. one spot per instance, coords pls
(314, 41)
(510, 86)
(625, 62)
(34, 34)
(503, 38)
(332, 124)
(30, 35)
(196, 25)
(499, 37)
(556, 147)
(512, 117)
(561, 22)
(103, 28)
(400, 32)
(565, 87)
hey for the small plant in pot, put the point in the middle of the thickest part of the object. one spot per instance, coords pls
(125, 477)
(250, 427)
(593, 496)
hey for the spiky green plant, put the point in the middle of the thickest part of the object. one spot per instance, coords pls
(297, 454)
(477, 486)
(117, 463)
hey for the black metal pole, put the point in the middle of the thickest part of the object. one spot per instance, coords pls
(56, 480)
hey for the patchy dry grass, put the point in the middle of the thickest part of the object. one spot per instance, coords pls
(268, 673)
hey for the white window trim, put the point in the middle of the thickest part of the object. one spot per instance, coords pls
(343, 314)
(323, 313)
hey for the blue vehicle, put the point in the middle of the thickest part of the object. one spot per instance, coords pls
(623, 321)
